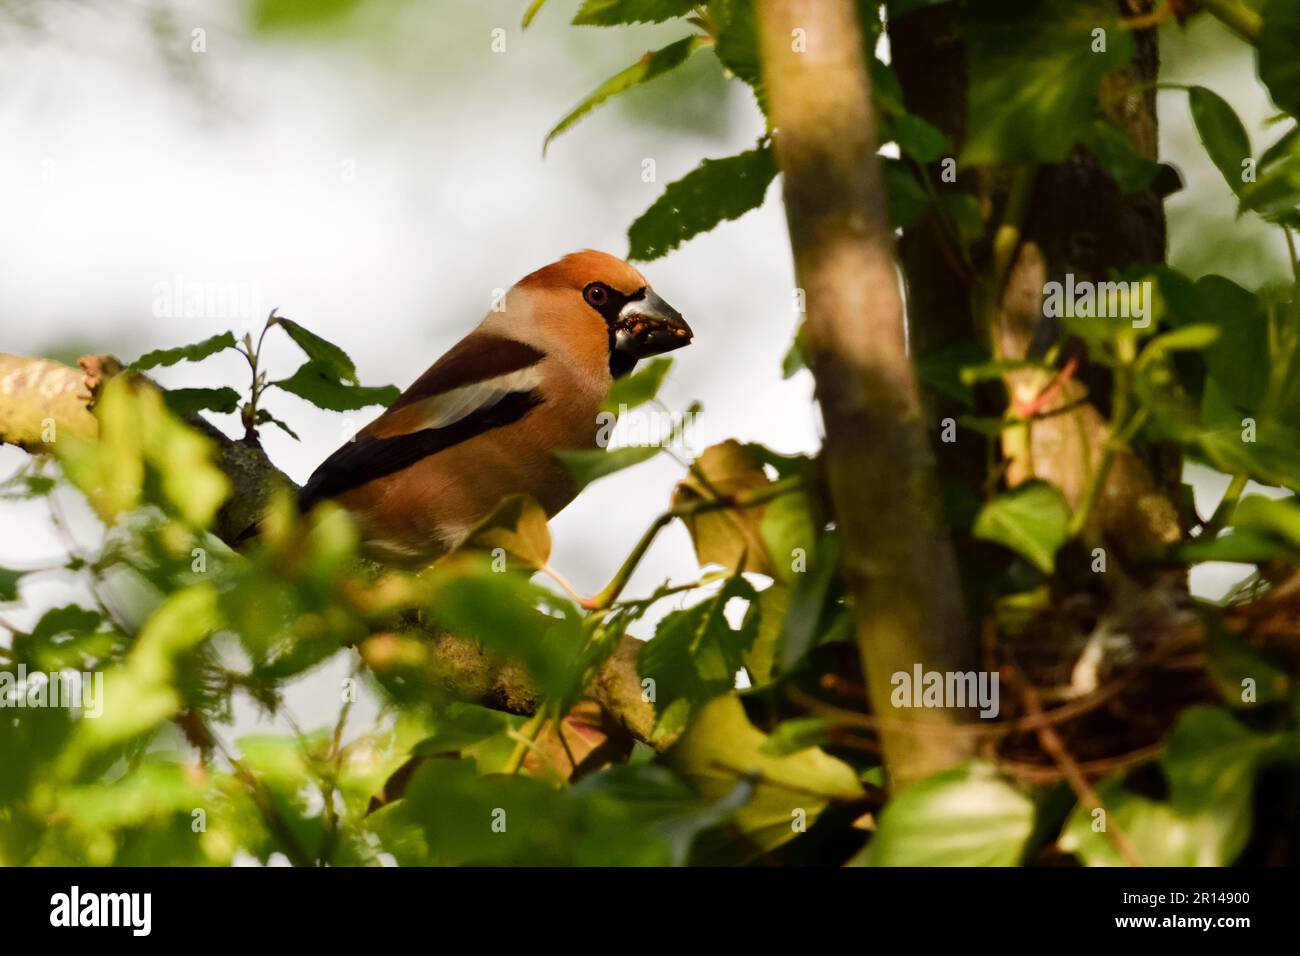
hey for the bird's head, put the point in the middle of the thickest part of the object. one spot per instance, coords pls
(594, 299)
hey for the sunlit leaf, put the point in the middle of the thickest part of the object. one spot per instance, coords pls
(728, 536)
(696, 654)
(967, 816)
(721, 747)
(1210, 763)
(1031, 519)
(518, 527)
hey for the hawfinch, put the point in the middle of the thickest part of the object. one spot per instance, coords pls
(484, 421)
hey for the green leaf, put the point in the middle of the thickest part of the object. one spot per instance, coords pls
(695, 655)
(805, 619)
(1238, 360)
(1221, 132)
(184, 402)
(139, 693)
(795, 359)
(917, 138)
(138, 437)
(452, 816)
(317, 384)
(533, 9)
(1279, 518)
(9, 584)
(737, 42)
(1243, 547)
(789, 535)
(184, 353)
(907, 199)
(328, 357)
(1276, 46)
(588, 464)
(458, 726)
(1210, 762)
(729, 537)
(715, 191)
(1285, 145)
(1233, 662)
(63, 621)
(1031, 519)
(69, 637)
(941, 368)
(798, 733)
(297, 15)
(1034, 76)
(649, 67)
(608, 13)
(759, 659)
(518, 527)
(1117, 156)
(264, 418)
(1187, 338)
(1276, 190)
(508, 614)
(967, 816)
(638, 388)
(721, 748)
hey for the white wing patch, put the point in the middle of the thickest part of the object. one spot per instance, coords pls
(447, 408)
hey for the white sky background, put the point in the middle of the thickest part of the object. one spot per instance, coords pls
(127, 161)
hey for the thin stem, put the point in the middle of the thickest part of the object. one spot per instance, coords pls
(524, 740)
(744, 499)
(1121, 432)
(568, 588)
(1236, 16)
(1227, 505)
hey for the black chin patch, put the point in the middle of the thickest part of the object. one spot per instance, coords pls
(619, 363)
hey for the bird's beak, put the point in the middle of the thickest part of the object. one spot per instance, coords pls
(650, 326)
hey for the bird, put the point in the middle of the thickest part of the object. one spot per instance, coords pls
(484, 421)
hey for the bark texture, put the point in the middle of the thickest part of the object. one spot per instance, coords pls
(898, 561)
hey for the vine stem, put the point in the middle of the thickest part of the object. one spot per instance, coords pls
(1236, 16)
(1121, 432)
(524, 741)
(744, 499)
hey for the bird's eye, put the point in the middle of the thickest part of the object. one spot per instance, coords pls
(596, 294)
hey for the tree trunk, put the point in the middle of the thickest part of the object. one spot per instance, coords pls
(898, 561)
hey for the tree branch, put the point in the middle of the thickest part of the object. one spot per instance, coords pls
(41, 399)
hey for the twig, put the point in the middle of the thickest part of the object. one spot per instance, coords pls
(1052, 743)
